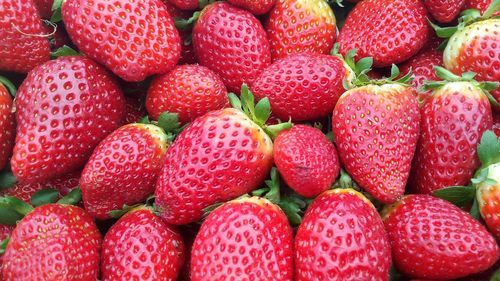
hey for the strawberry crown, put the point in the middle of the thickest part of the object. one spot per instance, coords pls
(9, 85)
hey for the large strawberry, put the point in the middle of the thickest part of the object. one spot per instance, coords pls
(256, 7)
(297, 26)
(342, 238)
(141, 246)
(135, 39)
(188, 90)
(231, 42)
(444, 10)
(63, 110)
(390, 31)
(7, 121)
(422, 67)
(244, 239)
(304, 87)
(433, 239)
(23, 44)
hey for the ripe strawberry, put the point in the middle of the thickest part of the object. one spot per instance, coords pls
(387, 30)
(297, 26)
(141, 246)
(496, 124)
(244, 239)
(187, 52)
(376, 128)
(232, 43)
(422, 67)
(134, 39)
(53, 242)
(433, 239)
(444, 11)
(304, 87)
(258, 7)
(188, 90)
(185, 4)
(342, 238)
(5, 232)
(21, 46)
(7, 123)
(481, 5)
(44, 7)
(306, 159)
(488, 197)
(134, 110)
(63, 110)
(123, 169)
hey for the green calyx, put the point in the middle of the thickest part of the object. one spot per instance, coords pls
(148, 205)
(169, 122)
(12, 210)
(187, 24)
(7, 178)
(56, 11)
(3, 245)
(64, 51)
(393, 79)
(10, 87)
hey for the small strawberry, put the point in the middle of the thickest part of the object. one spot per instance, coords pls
(63, 110)
(134, 110)
(7, 120)
(185, 4)
(342, 238)
(433, 239)
(256, 7)
(231, 42)
(188, 90)
(387, 30)
(422, 67)
(141, 246)
(123, 169)
(444, 11)
(306, 159)
(297, 26)
(22, 41)
(135, 39)
(244, 239)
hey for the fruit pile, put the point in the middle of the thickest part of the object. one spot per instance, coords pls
(265, 140)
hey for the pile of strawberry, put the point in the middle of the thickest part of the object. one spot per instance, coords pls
(249, 140)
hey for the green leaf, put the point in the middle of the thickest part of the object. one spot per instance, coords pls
(292, 208)
(169, 121)
(443, 32)
(145, 120)
(496, 276)
(247, 101)
(15, 204)
(235, 101)
(262, 111)
(3, 245)
(273, 130)
(186, 24)
(274, 187)
(10, 87)
(7, 179)
(73, 197)
(394, 72)
(44, 196)
(492, 9)
(211, 208)
(9, 216)
(116, 214)
(445, 74)
(488, 149)
(474, 211)
(64, 51)
(461, 196)
(364, 65)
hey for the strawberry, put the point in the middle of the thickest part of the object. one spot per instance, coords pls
(297, 26)
(123, 169)
(185, 4)
(244, 239)
(141, 246)
(422, 67)
(134, 39)
(187, 52)
(22, 41)
(481, 5)
(453, 120)
(188, 90)
(7, 121)
(496, 124)
(433, 239)
(258, 7)
(444, 11)
(304, 87)
(306, 159)
(134, 110)
(342, 238)
(488, 197)
(5, 233)
(389, 31)
(53, 242)
(231, 42)
(376, 129)
(44, 7)
(63, 110)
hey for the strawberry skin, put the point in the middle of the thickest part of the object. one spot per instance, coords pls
(256, 7)
(19, 51)
(5, 232)
(44, 8)
(64, 108)
(188, 90)
(134, 110)
(123, 169)
(444, 11)
(421, 66)
(452, 123)
(7, 126)
(134, 40)
(231, 42)
(185, 4)
(342, 238)
(376, 129)
(298, 26)
(244, 239)
(141, 246)
(496, 124)
(218, 157)
(488, 197)
(304, 87)
(481, 5)
(433, 239)
(306, 159)
(53, 242)
(390, 31)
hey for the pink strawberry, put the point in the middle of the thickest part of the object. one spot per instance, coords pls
(444, 10)
(7, 122)
(256, 7)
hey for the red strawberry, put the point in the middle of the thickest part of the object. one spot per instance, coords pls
(297, 26)
(481, 5)
(7, 123)
(44, 8)
(342, 238)
(488, 197)
(185, 4)
(376, 128)
(134, 110)
(256, 7)
(21, 46)
(123, 169)
(140, 246)
(433, 239)
(63, 110)
(53, 242)
(244, 239)
(304, 87)
(389, 31)
(135, 39)
(496, 124)
(189, 90)
(232, 43)
(444, 10)
(5, 232)
(306, 159)
(422, 67)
